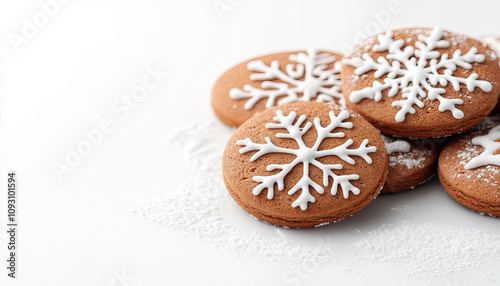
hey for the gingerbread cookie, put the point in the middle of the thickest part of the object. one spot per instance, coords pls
(304, 164)
(469, 170)
(276, 79)
(494, 43)
(420, 82)
(411, 163)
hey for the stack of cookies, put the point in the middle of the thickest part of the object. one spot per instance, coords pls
(320, 135)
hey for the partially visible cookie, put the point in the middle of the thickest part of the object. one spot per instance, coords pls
(420, 82)
(304, 164)
(469, 170)
(276, 79)
(411, 162)
(494, 43)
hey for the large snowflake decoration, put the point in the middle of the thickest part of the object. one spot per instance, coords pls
(491, 145)
(306, 80)
(307, 156)
(415, 71)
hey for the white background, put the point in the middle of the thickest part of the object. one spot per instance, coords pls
(67, 75)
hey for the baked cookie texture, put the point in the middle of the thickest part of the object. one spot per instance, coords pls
(276, 79)
(420, 82)
(275, 164)
(411, 162)
(494, 43)
(469, 169)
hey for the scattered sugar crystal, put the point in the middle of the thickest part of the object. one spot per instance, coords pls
(429, 250)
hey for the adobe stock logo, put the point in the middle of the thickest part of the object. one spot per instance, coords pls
(121, 278)
(31, 26)
(122, 107)
(381, 19)
(222, 7)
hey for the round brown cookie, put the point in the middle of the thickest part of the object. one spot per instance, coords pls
(469, 170)
(494, 43)
(276, 163)
(276, 79)
(420, 82)
(411, 162)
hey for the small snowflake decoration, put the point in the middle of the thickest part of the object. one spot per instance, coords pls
(414, 71)
(395, 146)
(318, 82)
(307, 156)
(491, 145)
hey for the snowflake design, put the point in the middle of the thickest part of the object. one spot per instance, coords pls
(491, 145)
(395, 146)
(307, 156)
(415, 71)
(318, 82)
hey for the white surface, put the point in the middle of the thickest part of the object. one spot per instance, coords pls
(66, 79)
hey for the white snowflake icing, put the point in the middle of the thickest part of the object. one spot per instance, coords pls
(491, 145)
(394, 146)
(307, 156)
(415, 71)
(318, 82)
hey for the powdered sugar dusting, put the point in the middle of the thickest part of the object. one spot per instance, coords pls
(458, 41)
(429, 249)
(494, 43)
(402, 152)
(361, 47)
(402, 208)
(410, 162)
(197, 209)
(418, 250)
